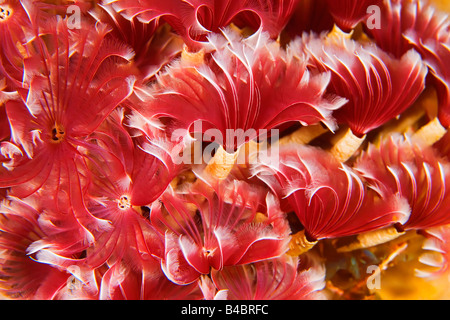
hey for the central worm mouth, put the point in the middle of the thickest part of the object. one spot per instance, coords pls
(124, 203)
(57, 133)
(5, 13)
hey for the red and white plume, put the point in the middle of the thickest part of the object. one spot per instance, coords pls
(194, 19)
(416, 172)
(274, 279)
(206, 228)
(377, 86)
(409, 24)
(328, 197)
(244, 86)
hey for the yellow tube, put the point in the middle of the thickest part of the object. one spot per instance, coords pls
(346, 146)
(372, 238)
(221, 164)
(304, 135)
(430, 133)
(299, 244)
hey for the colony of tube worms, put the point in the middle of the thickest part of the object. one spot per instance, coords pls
(221, 149)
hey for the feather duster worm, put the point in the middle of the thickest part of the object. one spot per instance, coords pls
(153, 45)
(124, 178)
(18, 21)
(15, 31)
(274, 279)
(366, 74)
(245, 86)
(194, 20)
(267, 15)
(417, 24)
(216, 227)
(436, 256)
(139, 154)
(329, 198)
(378, 87)
(74, 83)
(121, 282)
(95, 204)
(436, 54)
(406, 19)
(21, 276)
(415, 172)
(133, 174)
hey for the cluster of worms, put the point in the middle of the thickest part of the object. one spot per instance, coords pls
(222, 149)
